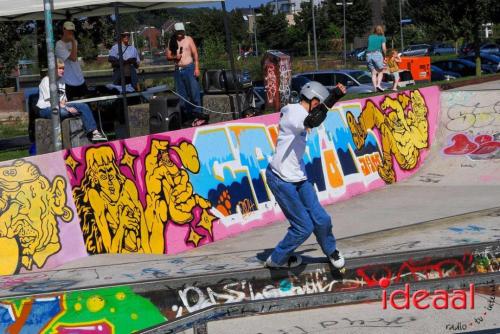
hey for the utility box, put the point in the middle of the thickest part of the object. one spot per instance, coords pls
(420, 67)
(277, 68)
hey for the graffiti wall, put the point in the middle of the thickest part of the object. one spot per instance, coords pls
(126, 309)
(472, 125)
(172, 192)
(38, 221)
(106, 311)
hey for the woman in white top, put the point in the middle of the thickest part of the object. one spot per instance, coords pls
(66, 109)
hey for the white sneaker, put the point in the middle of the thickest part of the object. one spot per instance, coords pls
(293, 261)
(337, 259)
(97, 136)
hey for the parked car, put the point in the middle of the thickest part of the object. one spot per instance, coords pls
(356, 81)
(361, 55)
(441, 49)
(438, 74)
(461, 66)
(297, 82)
(489, 48)
(468, 48)
(416, 50)
(491, 61)
(358, 53)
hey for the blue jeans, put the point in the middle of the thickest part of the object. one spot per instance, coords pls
(301, 207)
(84, 112)
(188, 88)
(375, 60)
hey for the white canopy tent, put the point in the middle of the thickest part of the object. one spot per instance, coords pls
(48, 10)
(24, 10)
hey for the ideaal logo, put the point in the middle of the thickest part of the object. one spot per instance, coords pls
(440, 300)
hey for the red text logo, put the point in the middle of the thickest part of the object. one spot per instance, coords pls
(439, 299)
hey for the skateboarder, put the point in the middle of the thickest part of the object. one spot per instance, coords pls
(288, 182)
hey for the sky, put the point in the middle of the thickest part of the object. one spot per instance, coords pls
(231, 4)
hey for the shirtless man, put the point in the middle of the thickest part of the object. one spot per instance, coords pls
(183, 52)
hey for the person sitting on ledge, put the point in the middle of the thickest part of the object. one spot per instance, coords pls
(67, 109)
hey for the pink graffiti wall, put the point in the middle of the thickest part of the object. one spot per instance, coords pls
(171, 192)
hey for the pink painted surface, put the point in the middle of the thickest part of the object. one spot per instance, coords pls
(232, 158)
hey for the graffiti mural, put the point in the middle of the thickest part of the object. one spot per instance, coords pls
(123, 210)
(106, 311)
(403, 127)
(30, 206)
(480, 147)
(167, 193)
(471, 114)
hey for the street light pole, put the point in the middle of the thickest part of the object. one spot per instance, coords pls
(344, 4)
(314, 37)
(401, 24)
(255, 32)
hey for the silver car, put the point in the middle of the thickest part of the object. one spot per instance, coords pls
(356, 81)
(416, 50)
(442, 49)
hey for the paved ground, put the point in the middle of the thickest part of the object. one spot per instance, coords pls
(369, 318)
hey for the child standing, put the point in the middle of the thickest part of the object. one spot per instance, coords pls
(392, 64)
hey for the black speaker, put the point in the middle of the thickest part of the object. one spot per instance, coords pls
(222, 81)
(164, 113)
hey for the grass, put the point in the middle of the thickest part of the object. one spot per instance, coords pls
(13, 130)
(11, 155)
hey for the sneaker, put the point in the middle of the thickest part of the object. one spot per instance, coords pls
(380, 89)
(97, 136)
(337, 259)
(293, 261)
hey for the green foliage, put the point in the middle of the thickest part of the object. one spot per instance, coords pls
(213, 55)
(272, 29)
(9, 52)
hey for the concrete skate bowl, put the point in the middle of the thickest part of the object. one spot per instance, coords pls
(230, 158)
(462, 171)
(171, 192)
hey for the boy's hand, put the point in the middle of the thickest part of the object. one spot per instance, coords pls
(342, 88)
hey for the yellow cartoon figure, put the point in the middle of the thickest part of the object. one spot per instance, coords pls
(108, 204)
(402, 134)
(29, 207)
(170, 195)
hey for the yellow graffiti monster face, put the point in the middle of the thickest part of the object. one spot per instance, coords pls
(104, 172)
(108, 182)
(29, 215)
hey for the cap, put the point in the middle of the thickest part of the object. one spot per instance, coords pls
(68, 25)
(125, 33)
(179, 26)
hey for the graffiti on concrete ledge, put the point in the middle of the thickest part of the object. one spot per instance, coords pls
(30, 205)
(403, 127)
(479, 147)
(117, 216)
(104, 311)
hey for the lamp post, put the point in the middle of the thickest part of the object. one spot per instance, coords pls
(314, 37)
(344, 4)
(401, 24)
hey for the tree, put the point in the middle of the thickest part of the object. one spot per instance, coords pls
(357, 17)
(272, 29)
(10, 52)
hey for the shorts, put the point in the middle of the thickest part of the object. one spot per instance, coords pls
(395, 75)
(374, 60)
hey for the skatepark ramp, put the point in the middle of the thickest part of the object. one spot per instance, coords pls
(426, 162)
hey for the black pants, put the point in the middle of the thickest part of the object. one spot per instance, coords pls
(76, 92)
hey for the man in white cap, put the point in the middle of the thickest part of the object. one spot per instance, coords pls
(182, 50)
(67, 50)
